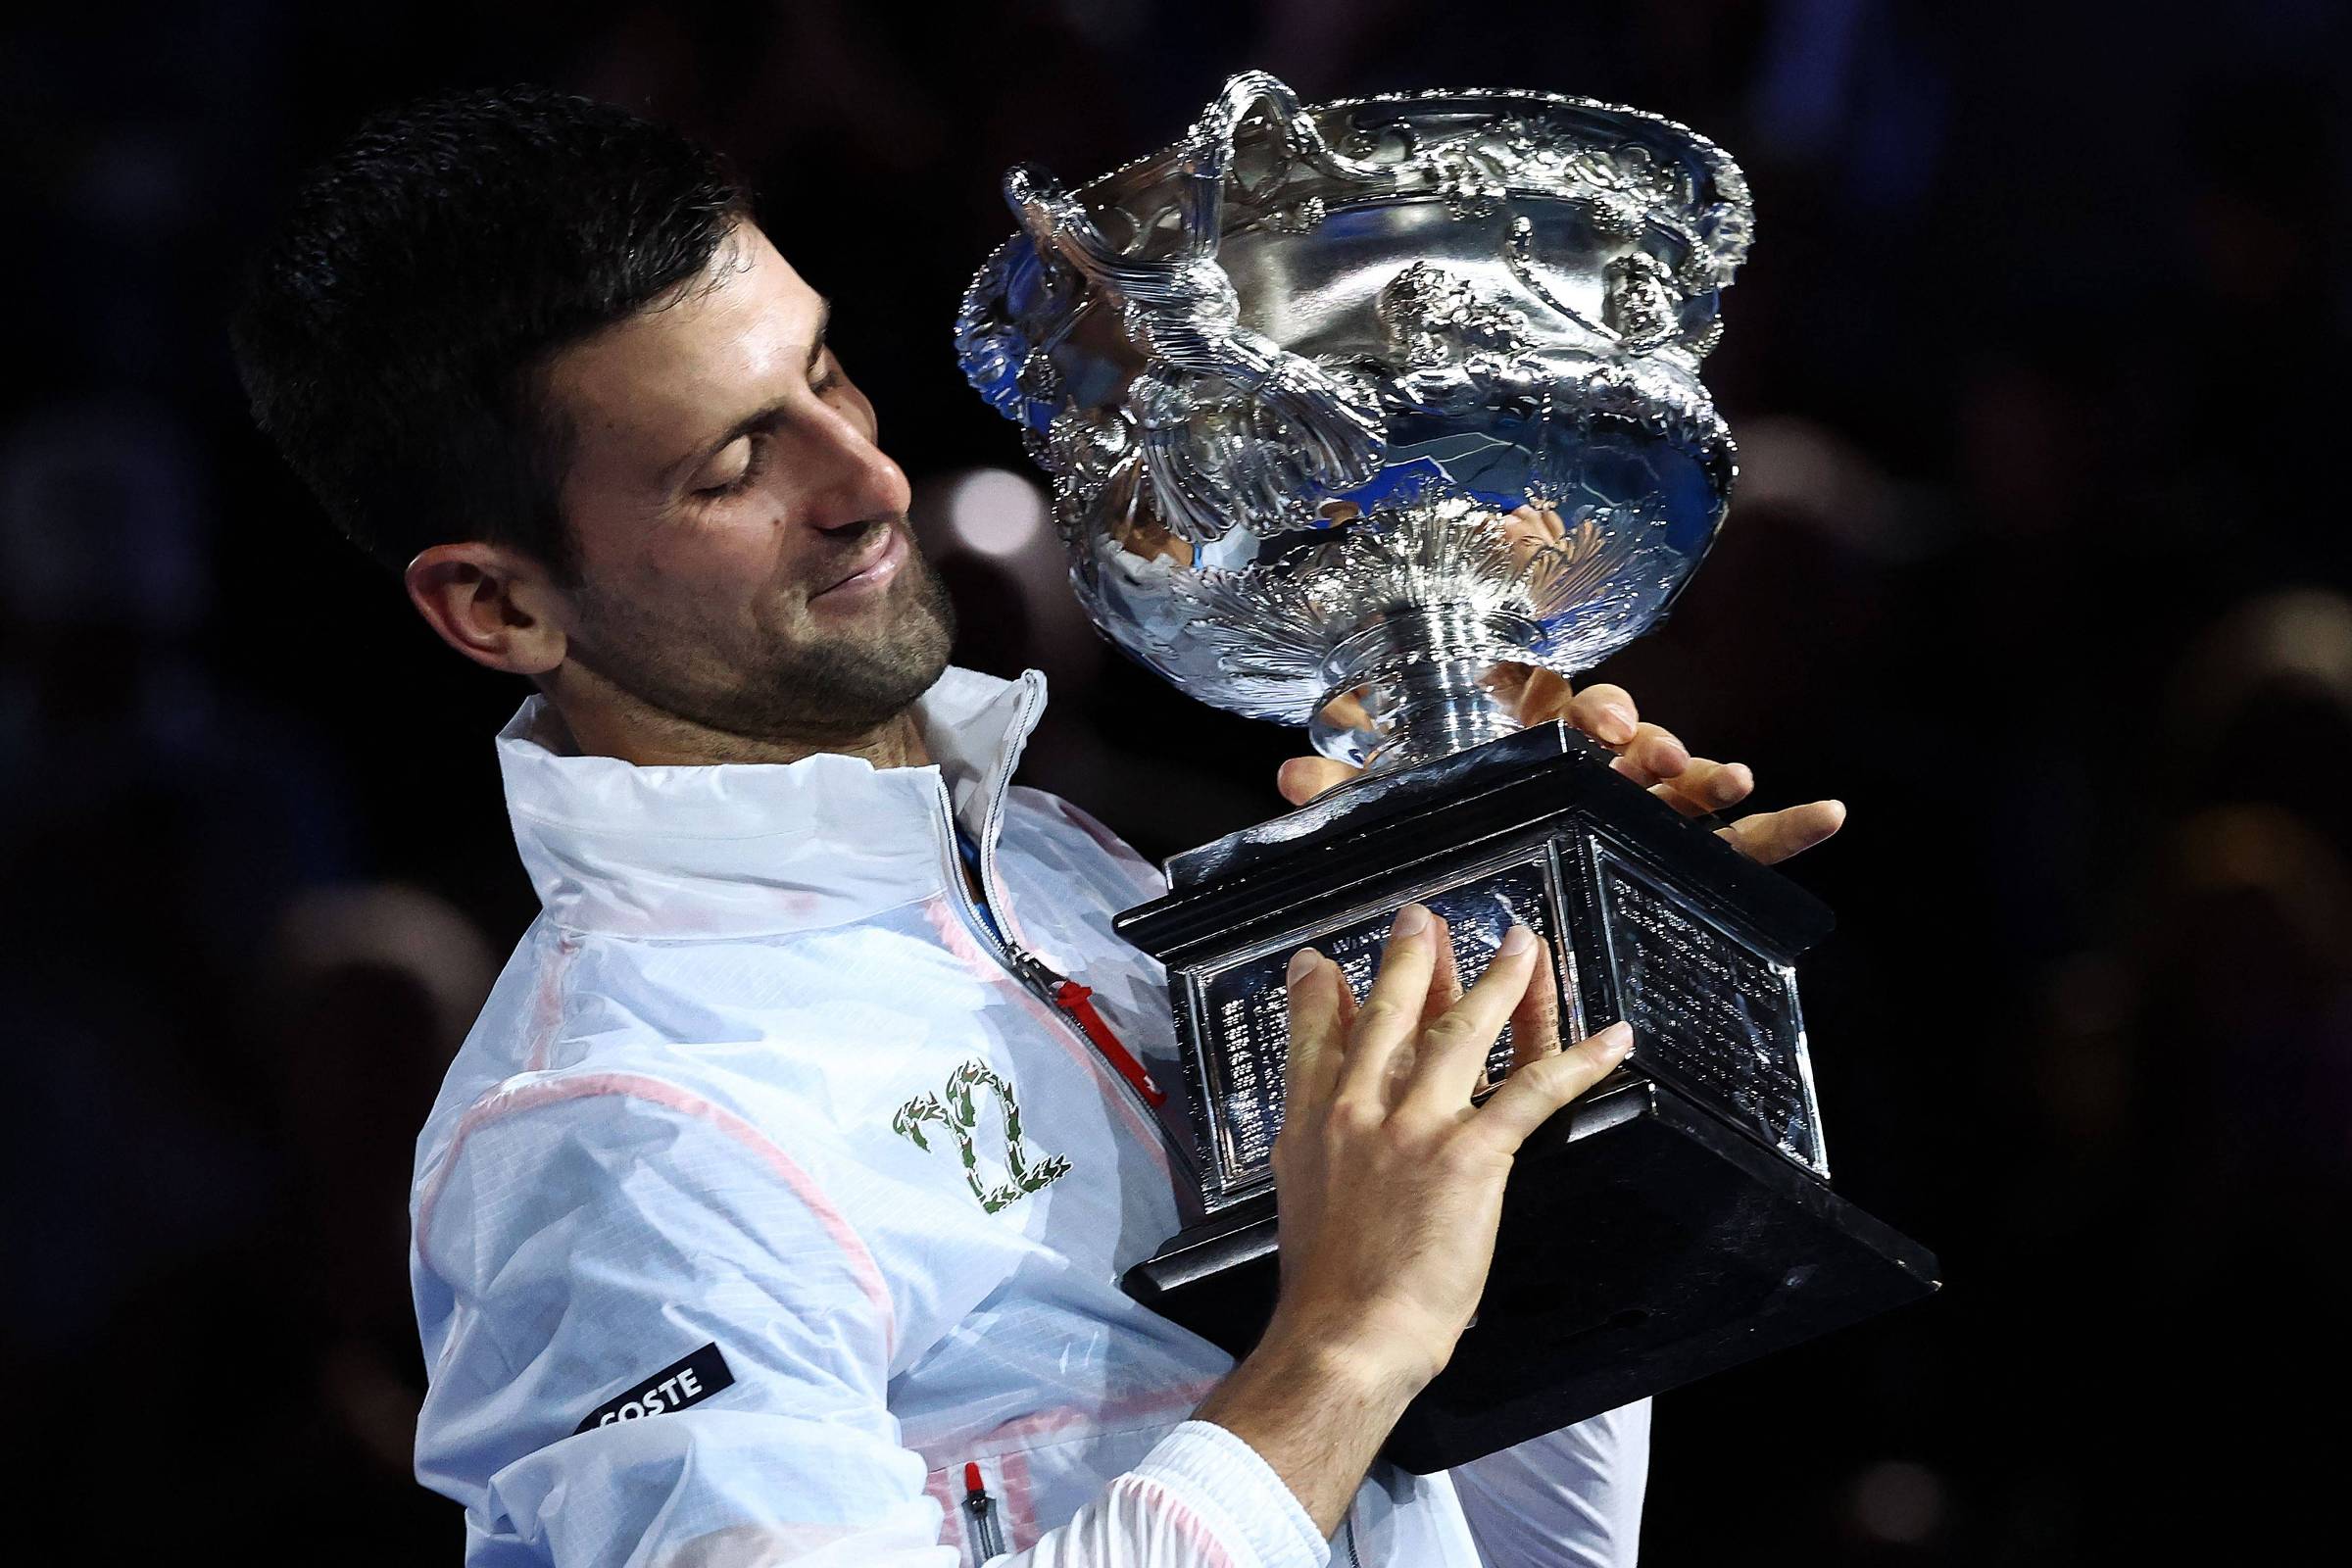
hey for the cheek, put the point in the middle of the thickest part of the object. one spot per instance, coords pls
(745, 574)
(710, 573)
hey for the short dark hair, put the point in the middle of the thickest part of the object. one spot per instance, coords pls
(394, 331)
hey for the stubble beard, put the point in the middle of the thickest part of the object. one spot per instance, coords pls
(811, 690)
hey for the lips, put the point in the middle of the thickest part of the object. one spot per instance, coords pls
(880, 565)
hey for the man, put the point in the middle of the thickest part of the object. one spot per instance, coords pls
(774, 1209)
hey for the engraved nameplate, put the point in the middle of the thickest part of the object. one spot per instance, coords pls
(1708, 1009)
(1239, 1012)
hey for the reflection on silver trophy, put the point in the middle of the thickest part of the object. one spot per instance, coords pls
(1351, 412)
(1418, 314)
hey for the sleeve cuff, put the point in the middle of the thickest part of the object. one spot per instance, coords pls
(1223, 1477)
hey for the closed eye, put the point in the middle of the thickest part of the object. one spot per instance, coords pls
(763, 438)
(832, 380)
(755, 465)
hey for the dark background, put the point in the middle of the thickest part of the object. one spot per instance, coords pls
(2037, 561)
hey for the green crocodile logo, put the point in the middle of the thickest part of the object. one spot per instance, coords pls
(958, 1111)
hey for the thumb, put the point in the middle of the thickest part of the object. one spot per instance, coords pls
(1302, 778)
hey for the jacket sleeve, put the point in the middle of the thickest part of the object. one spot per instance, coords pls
(578, 1239)
(1571, 1496)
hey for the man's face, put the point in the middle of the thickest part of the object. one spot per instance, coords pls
(744, 556)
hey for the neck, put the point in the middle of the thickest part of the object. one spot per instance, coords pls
(609, 722)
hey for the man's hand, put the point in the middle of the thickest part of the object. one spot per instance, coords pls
(1646, 754)
(1391, 1185)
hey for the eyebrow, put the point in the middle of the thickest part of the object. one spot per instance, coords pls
(763, 416)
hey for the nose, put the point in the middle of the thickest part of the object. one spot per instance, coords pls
(853, 479)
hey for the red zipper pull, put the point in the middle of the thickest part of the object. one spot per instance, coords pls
(987, 1539)
(1076, 1000)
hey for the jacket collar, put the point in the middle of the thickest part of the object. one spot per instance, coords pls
(748, 848)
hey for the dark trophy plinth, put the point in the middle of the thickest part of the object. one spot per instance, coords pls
(1675, 1221)
(1355, 414)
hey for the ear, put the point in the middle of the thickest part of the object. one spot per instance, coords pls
(496, 605)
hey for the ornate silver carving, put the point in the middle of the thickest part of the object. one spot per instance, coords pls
(1307, 381)
(1642, 305)
(1232, 427)
(1432, 317)
(1304, 217)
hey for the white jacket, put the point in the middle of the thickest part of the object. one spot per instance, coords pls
(766, 1198)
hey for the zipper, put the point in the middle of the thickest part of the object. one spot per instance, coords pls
(1076, 1004)
(1066, 997)
(988, 1538)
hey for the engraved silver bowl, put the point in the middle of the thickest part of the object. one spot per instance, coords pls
(1347, 408)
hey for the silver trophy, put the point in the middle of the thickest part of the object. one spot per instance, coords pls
(1354, 413)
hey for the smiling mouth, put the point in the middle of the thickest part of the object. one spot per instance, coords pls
(880, 566)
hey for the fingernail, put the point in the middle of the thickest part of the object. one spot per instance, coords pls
(1302, 963)
(1616, 722)
(1671, 756)
(1616, 1042)
(1517, 940)
(1411, 920)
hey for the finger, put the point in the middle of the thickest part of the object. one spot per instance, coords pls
(1536, 1021)
(1347, 995)
(1545, 697)
(1390, 1014)
(1652, 756)
(1507, 681)
(1444, 976)
(1767, 837)
(1453, 1050)
(1706, 786)
(1530, 1096)
(1313, 987)
(1302, 778)
(1606, 713)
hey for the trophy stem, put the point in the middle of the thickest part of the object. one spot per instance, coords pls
(1413, 685)
(1438, 709)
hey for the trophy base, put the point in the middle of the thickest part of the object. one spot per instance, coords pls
(1675, 1220)
(1643, 1244)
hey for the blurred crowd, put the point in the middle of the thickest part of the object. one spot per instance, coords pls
(2036, 561)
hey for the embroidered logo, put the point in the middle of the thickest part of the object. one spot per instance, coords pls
(958, 1111)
